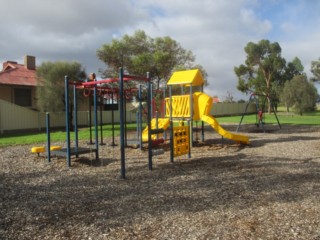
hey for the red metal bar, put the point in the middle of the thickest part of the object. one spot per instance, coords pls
(132, 77)
(156, 142)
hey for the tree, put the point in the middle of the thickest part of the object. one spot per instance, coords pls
(315, 69)
(262, 67)
(140, 53)
(300, 94)
(292, 69)
(50, 78)
(229, 98)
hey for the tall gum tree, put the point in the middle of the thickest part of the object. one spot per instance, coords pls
(262, 66)
(139, 54)
(315, 69)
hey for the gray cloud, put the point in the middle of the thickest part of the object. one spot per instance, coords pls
(62, 30)
(215, 31)
(72, 17)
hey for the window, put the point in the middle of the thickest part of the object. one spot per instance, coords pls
(22, 97)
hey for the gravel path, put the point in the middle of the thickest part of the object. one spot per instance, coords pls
(267, 190)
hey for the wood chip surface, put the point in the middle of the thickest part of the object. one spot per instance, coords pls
(267, 190)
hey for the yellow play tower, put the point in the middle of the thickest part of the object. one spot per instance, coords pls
(188, 107)
(194, 106)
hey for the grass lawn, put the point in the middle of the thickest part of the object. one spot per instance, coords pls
(56, 136)
(284, 118)
(84, 133)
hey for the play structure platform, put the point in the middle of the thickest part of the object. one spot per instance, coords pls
(73, 151)
(202, 104)
(162, 123)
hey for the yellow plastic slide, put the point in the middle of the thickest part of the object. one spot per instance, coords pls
(214, 123)
(162, 123)
(202, 106)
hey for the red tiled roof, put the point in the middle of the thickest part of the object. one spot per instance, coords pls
(215, 100)
(17, 74)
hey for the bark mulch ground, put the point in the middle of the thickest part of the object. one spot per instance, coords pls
(267, 190)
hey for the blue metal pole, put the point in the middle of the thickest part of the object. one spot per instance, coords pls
(137, 127)
(95, 115)
(202, 123)
(90, 119)
(189, 152)
(122, 140)
(202, 131)
(164, 110)
(101, 119)
(140, 116)
(125, 118)
(149, 103)
(112, 119)
(66, 82)
(151, 100)
(171, 126)
(48, 136)
(191, 116)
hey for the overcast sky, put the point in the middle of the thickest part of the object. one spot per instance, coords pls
(216, 31)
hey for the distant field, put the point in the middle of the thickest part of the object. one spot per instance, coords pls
(55, 136)
(284, 118)
(84, 133)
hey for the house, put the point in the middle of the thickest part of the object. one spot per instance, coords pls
(215, 100)
(18, 82)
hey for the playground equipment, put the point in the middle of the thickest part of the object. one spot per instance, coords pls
(76, 150)
(195, 106)
(92, 88)
(38, 150)
(181, 140)
(141, 108)
(122, 101)
(188, 108)
(201, 111)
(156, 123)
(180, 112)
(42, 149)
(260, 102)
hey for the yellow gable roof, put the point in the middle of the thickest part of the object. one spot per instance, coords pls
(188, 77)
